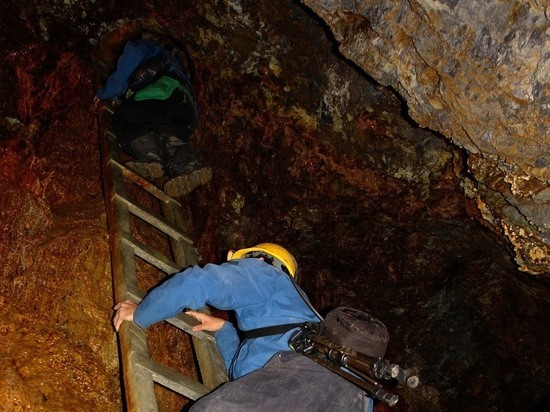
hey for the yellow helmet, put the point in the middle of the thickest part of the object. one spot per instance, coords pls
(281, 257)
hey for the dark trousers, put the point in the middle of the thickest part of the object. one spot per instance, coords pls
(175, 116)
(288, 382)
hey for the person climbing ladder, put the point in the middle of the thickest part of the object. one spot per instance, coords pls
(155, 115)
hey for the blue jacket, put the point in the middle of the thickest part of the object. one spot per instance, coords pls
(260, 294)
(134, 53)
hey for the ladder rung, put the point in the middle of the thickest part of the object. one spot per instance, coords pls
(182, 321)
(143, 183)
(186, 323)
(154, 219)
(154, 257)
(174, 380)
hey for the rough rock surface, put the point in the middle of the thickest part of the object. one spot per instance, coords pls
(479, 73)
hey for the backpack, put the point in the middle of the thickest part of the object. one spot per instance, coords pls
(356, 330)
(149, 71)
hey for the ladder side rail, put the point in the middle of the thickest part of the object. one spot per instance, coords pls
(138, 382)
(209, 359)
(139, 386)
(185, 253)
(211, 364)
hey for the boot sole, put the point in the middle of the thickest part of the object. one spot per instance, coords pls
(181, 185)
(149, 170)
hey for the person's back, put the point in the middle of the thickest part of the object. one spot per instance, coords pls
(258, 293)
(261, 295)
(155, 116)
(257, 284)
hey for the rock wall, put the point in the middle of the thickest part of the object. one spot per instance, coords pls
(307, 152)
(478, 73)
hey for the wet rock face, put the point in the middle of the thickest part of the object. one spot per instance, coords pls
(479, 73)
(57, 351)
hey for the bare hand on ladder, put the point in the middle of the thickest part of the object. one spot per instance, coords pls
(123, 311)
(209, 323)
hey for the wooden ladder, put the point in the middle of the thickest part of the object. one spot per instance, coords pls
(139, 372)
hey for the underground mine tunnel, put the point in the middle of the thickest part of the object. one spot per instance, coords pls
(399, 149)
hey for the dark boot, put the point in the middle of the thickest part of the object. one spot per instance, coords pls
(184, 168)
(148, 154)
